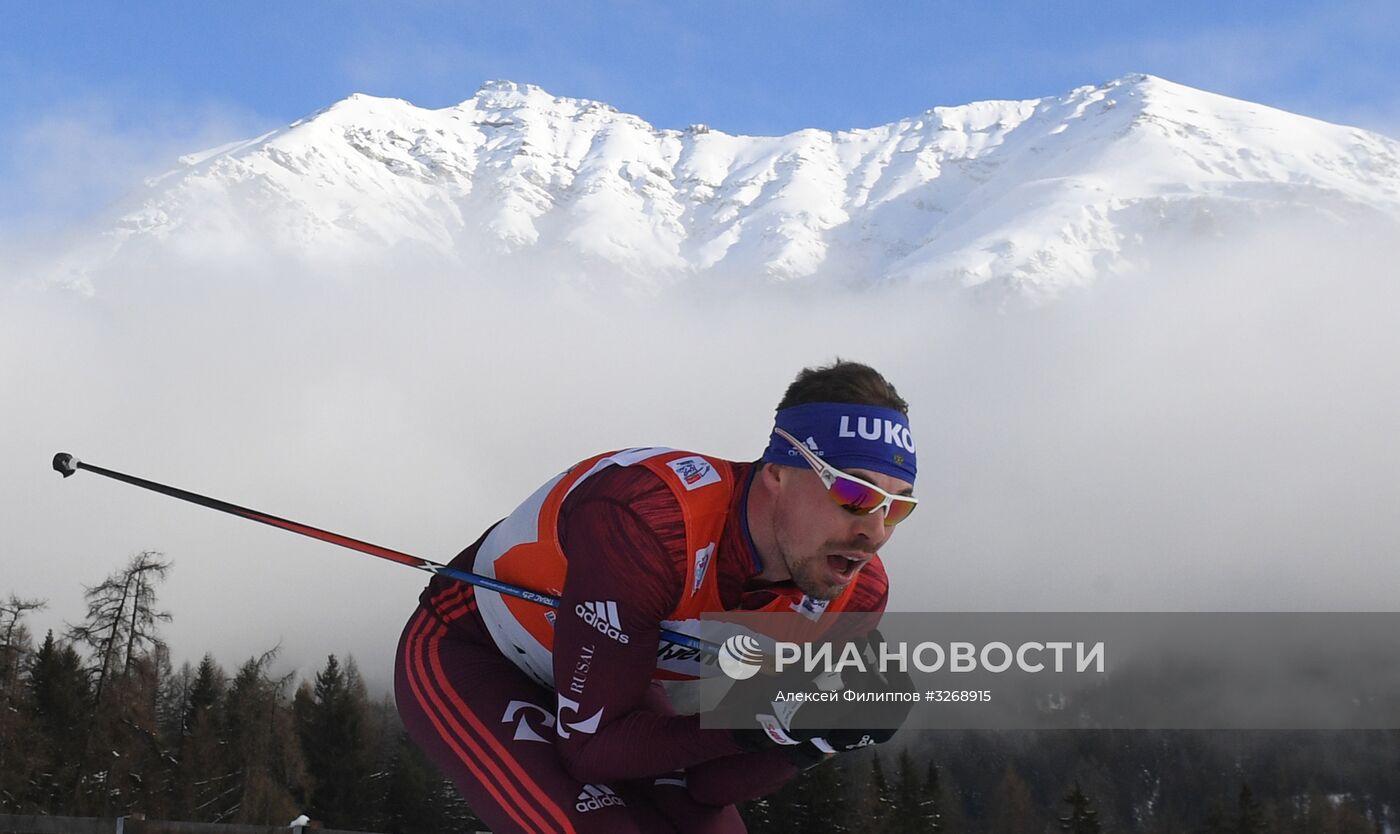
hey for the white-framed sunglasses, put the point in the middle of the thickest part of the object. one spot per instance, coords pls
(855, 495)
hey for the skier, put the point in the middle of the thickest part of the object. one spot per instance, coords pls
(554, 720)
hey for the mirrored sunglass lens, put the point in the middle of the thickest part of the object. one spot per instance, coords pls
(855, 496)
(898, 511)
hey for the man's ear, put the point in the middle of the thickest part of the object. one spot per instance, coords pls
(771, 475)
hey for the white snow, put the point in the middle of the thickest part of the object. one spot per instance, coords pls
(1022, 197)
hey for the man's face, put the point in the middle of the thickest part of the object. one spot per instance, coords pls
(823, 545)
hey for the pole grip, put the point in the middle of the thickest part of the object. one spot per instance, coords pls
(65, 464)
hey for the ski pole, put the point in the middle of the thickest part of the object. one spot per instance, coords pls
(65, 464)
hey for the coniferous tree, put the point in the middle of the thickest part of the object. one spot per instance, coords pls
(758, 815)
(408, 800)
(21, 748)
(206, 691)
(20, 742)
(1249, 820)
(1082, 819)
(126, 763)
(371, 734)
(780, 809)
(206, 772)
(332, 722)
(879, 800)
(1315, 813)
(174, 698)
(931, 801)
(800, 805)
(60, 701)
(824, 803)
(418, 799)
(1350, 817)
(269, 782)
(1216, 820)
(387, 732)
(1012, 808)
(952, 817)
(908, 815)
(145, 771)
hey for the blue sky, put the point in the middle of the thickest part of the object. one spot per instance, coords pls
(98, 94)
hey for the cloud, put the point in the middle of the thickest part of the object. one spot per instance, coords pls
(1211, 437)
(1214, 435)
(72, 161)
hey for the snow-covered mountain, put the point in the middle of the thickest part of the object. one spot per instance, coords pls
(1029, 197)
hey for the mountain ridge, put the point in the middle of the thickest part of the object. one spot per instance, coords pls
(1024, 197)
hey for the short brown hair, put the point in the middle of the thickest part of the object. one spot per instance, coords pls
(843, 382)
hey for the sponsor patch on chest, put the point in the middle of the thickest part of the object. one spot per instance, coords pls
(810, 607)
(694, 472)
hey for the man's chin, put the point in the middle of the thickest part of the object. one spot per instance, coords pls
(816, 578)
(819, 589)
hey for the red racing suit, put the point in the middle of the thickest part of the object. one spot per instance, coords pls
(554, 719)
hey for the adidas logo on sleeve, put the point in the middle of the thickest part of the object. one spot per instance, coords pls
(603, 616)
(593, 797)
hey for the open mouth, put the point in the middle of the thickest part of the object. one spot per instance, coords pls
(842, 566)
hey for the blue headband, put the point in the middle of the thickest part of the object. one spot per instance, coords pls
(847, 436)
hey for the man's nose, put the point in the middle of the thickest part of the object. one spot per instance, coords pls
(871, 527)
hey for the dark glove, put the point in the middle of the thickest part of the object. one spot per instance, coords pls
(753, 706)
(858, 720)
(826, 716)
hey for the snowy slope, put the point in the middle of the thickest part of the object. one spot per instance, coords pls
(1027, 197)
